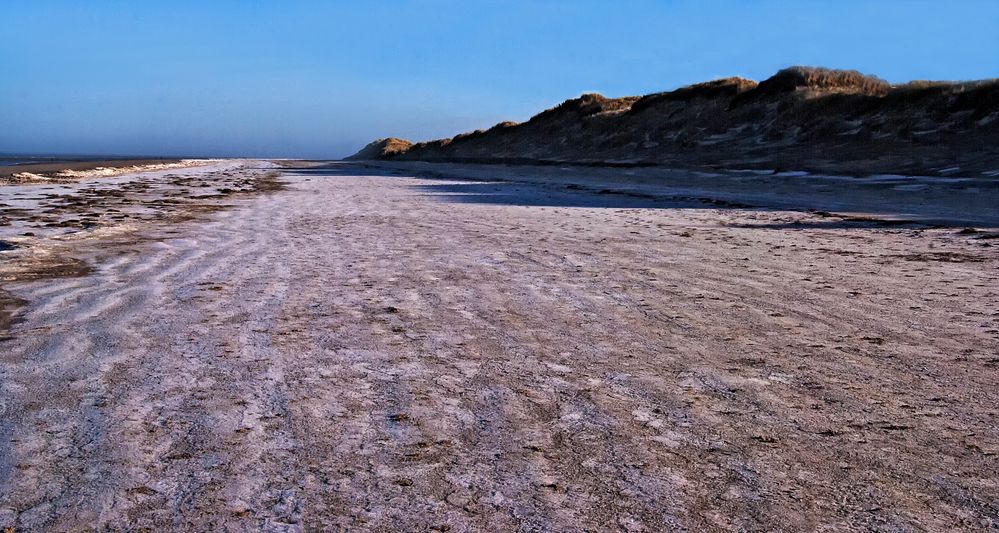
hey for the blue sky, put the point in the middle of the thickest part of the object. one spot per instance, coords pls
(320, 79)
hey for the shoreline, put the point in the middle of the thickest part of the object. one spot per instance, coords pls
(863, 169)
(892, 199)
(75, 170)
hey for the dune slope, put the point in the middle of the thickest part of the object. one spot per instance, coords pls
(802, 118)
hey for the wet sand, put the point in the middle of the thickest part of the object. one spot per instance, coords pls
(386, 348)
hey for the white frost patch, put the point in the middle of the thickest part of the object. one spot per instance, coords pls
(559, 368)
(28, 176)
(101, 172)
(792, 174)
(105, 172)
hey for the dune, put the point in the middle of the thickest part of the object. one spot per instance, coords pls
(802, 118)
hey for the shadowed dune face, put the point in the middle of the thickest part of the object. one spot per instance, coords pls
(802, 118)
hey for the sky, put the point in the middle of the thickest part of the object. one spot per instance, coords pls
(321, 79)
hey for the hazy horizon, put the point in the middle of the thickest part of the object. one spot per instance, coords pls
(320, 80)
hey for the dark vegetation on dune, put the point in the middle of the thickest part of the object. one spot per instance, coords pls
(802, 118)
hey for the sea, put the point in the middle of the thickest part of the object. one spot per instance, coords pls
(7, 160)
(25, 159)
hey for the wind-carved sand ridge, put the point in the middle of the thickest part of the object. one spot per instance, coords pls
(487, 348)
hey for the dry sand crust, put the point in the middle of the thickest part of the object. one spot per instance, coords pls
(365, 349)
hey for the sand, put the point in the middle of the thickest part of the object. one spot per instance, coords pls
(381, 348)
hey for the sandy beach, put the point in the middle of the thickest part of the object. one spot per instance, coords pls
(407, 346)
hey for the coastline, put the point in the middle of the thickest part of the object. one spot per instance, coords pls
(885, 198)
(76, 169)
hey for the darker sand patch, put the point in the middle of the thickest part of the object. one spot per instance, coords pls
(55, 267)
(9, 305)
(48, 267)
